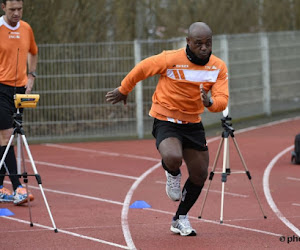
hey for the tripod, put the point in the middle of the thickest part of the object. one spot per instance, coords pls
(18, 129)
(228, 131)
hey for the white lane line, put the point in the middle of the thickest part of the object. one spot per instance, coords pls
(257, 127)
(293, 179)
(266, 125)
(83, 169)
(268, 195)
(228, 193)
(124, 215)
(110, 153)
(216, 191)
(296, 204)
(69, 233)
(155, 159)
(78, 195)
(100, 152)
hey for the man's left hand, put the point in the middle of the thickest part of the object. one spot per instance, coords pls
(204, 97)
(29, 85)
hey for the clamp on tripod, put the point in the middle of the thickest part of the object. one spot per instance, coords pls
(228, 131)
(25, 101)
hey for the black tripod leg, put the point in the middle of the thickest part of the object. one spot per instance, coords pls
(248, 174)
(211, 175)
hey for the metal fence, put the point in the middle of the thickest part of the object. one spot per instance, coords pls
(264, 77)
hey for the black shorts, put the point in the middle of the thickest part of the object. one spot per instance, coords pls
(7, 105)
(191, 135)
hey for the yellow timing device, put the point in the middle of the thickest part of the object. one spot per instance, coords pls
(26, 100)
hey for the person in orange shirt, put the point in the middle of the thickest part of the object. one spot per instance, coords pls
(17, 50)
(187, 75)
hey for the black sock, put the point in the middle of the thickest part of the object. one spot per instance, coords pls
(11, 164)
(190, 194)
(174, 173)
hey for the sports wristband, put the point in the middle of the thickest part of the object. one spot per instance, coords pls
(33, 74)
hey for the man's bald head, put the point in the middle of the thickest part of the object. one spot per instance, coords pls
(199, 29)
(199, 43)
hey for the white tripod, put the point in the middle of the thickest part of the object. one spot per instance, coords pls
(18, 129)
(228, 131)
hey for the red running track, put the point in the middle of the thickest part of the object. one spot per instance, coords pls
(90, 186)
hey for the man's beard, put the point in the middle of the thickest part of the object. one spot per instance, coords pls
(194, 59)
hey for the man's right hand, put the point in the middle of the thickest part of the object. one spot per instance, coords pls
(115, 96)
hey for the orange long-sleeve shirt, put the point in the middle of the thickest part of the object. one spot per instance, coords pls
(177, 94)
(15, 44)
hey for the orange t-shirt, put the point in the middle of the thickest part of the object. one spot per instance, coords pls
(15, 44)
(177, 94)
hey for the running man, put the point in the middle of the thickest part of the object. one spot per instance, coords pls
(186, 77)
